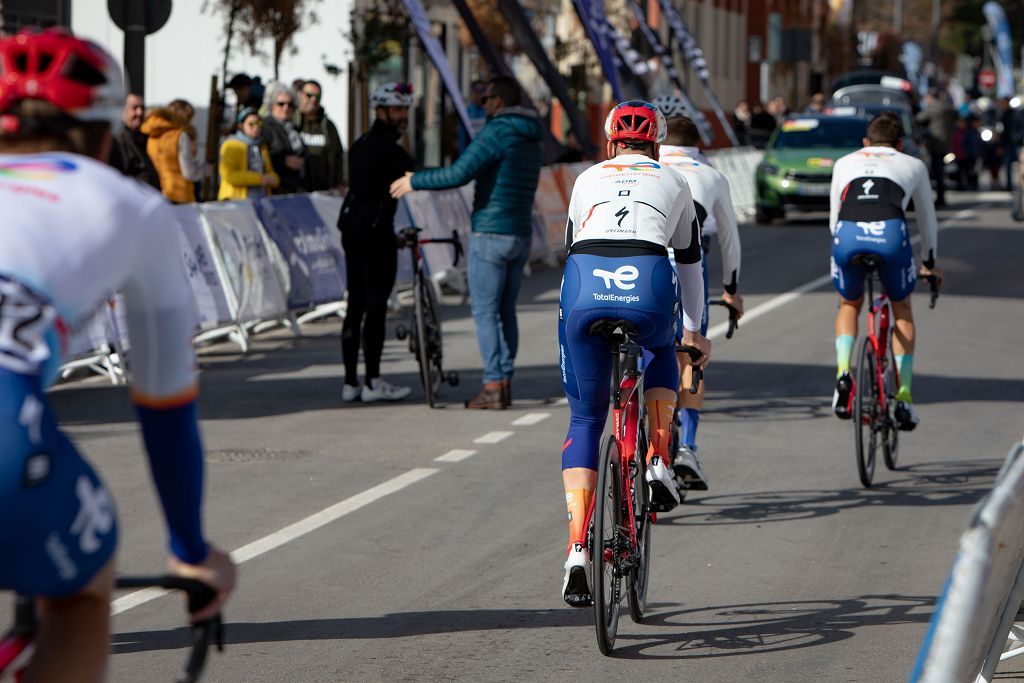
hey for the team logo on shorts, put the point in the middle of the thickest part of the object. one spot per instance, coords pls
(622, 277)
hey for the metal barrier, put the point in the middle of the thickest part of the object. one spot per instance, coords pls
(973, 627)
(738, 165)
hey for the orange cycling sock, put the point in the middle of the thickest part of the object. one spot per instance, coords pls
(659, 418)
(577, 502)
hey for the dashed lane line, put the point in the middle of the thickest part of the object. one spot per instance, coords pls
(530, 419)
(455, 455)
(493, 437)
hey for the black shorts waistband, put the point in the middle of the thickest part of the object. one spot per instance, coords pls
(618, 248)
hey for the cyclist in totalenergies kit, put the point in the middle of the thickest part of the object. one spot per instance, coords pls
(75, 230)
(871, 189)
(713, 202)
(623, 215)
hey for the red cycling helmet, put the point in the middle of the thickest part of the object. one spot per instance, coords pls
(635, 120)
(76, 76)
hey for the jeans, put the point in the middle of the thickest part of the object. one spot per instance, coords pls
(495, 274)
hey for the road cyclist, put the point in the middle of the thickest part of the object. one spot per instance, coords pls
(713, 203)
(75, 230)
(624, 213)
(870, 191)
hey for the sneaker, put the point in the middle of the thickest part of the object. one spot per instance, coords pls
(664, 495)
(380, 389)
(575, 590)
(688, 470)
(350, 393)
(842, 397)
(906, 416)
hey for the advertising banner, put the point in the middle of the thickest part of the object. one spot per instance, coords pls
(1004, 47)
(595, 23)
(201, 268)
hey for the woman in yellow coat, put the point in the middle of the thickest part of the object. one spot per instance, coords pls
(245, 168)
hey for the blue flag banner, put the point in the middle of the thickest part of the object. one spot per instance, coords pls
(595, 23)
(316, 266)
(1004, 47)
(436, 53)
(694, 56)
(669, 65)
(912, 57)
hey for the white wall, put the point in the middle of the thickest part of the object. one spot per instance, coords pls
(181, 57)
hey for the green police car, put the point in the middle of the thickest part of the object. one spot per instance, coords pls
(796, 172)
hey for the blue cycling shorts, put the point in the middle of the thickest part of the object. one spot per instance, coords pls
(59, 527)
(642, 289)
(889, 240)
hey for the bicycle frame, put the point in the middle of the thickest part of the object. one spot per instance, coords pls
(880, 338)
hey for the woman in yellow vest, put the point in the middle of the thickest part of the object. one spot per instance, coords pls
(172, 149)
(245, 168)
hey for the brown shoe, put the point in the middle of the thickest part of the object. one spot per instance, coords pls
(491, 397)
(506, 392)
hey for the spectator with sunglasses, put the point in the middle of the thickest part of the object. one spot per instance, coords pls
(325, 156)
(287, 153)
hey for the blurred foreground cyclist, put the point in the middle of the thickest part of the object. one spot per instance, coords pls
(75, 230)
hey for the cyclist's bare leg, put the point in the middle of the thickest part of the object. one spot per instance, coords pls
(903, 334)
(846, 317)
(74, 634)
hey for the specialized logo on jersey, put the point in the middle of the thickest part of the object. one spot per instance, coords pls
(638, 166)
(35, 169)
(865, 190)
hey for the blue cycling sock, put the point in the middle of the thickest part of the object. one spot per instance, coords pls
(176, 460)
(689, 418)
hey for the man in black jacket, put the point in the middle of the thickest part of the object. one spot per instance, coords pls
(368, 238)
(128, 153)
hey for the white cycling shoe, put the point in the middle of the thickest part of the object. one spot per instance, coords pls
(575, 589)
(688, 470)
(382, 390)
(664, 493)
(350, 393)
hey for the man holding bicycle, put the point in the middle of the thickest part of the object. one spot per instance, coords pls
(871, 189)
(623, 215)
(713, 203)
(75, 230)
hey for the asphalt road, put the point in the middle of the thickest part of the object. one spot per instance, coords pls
(419, 569)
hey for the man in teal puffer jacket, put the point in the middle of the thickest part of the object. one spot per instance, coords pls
(504, 160)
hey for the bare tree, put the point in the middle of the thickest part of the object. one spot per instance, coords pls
(259, 20)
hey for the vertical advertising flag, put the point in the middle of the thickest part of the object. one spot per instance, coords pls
(695, 58)
(1004, 47)
(594, 20)
(436, 53)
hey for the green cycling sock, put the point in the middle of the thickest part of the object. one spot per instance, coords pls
(905, 366)
(844, 349)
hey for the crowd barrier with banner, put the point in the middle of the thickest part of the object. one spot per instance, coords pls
(973, 627)
(278, 260)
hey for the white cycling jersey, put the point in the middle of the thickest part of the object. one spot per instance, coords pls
(711, 196)
(633, 197)
(877, 183)
(75, 230)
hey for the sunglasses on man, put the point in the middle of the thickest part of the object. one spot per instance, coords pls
(311, 95)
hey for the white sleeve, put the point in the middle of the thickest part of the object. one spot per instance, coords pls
(571, 221)
(679, 222)
(691, 284)
(728, 236)
(835, 196)
(924, 208)
(191, 167)
(160, 310)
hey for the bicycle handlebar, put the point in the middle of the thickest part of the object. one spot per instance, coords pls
(933, 283)
(412, 240)
(734, 322)
(199, 596)
(695, 354)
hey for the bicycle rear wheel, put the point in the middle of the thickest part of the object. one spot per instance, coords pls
(637, 580)
(606, 546)
(427, 337)
(890, 435)
(865, 413)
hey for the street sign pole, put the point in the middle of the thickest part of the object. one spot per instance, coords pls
(135, 47)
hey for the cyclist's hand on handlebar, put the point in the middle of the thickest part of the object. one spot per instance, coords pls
(402, 186)
(937, 272)
(217, 571)
(699, 341)
(734, 300)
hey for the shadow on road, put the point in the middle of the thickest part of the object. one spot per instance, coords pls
(399, 625)
(923, 485)
(760, 628)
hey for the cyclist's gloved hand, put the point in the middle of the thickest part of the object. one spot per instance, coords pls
(217, 571)
(698, 340)
(734, 300)
(937, 272)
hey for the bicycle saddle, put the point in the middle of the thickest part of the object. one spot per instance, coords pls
(869, 262)
(617, 331)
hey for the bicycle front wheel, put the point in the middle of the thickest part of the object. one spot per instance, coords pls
(890, 435)
(606, 546)
(865, 413)
(637, 579)
(426, 333)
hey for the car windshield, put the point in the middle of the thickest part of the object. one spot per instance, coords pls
(797, 133)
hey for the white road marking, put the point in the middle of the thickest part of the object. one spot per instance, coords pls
(292, 531)
(493, 437)
(455, 455)
(783, 299)
(530, 419)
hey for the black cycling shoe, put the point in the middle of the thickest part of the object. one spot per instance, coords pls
(842, 397)
(906, 417)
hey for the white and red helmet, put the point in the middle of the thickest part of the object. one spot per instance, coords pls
(635, 120)
(77, 76)
(392, 95)
(671, 105)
